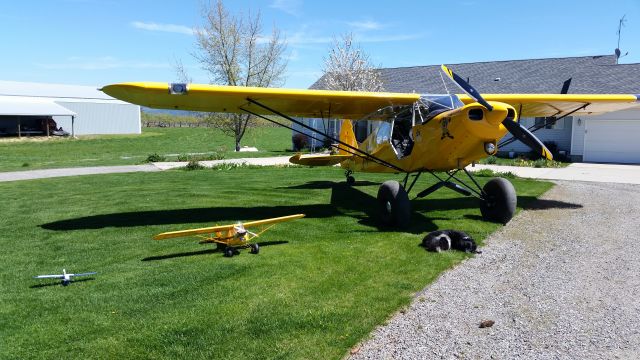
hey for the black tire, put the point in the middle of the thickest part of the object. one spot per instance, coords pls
(351, 180)
(394, 205)
(229, 251)
(254, 248)
(500, 201)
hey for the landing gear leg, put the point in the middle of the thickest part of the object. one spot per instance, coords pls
(497, 197)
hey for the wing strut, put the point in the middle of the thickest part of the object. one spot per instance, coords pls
(367, 157)
(354, 151)
(535, 128)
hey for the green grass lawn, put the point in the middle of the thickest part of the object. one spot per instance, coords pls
(34, 153)
(319, 285)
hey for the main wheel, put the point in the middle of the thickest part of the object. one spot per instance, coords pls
(499, 204)
(255, 248)
(395, 208)
(229, 251)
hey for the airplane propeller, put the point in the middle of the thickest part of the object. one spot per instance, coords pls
(516, 129)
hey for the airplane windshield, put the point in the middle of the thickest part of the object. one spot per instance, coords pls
(432, 105)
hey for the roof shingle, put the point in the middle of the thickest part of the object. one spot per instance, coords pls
(588, 74)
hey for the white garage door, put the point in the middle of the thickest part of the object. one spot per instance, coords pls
(614, 141)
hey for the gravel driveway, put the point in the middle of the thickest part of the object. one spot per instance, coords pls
(561, 281)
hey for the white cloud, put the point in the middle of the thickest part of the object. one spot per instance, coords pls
(172, 28)
(101, 63)
(387, 38)
(293, 56)
(302, 39)
(365, 25)
(291, 7)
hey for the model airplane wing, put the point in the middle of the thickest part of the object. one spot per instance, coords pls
(272, 220)
(49, 277)
(212, 229)
(85, 274)
(233, 99)
(546, 105)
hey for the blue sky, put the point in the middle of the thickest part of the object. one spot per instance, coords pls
(96, 42)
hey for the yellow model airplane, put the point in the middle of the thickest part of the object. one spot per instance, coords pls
(230, 237)
(414, 133)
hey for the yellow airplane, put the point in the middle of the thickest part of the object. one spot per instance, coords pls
(414, 133)
(230, 237)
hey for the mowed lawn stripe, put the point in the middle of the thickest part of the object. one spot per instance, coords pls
(319, 285)
(99, 150)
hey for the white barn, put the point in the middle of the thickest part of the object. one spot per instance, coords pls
(79, 110)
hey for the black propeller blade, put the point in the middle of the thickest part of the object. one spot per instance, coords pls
(523, 134)
(518, 131)
(467, 88)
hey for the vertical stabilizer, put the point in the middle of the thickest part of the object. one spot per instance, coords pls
(347, 136)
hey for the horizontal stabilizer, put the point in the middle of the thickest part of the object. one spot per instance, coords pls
(318, 160)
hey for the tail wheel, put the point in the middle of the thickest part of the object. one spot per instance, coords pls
(394, 205)
(500, 201)
(229, 251)
(255, 248)
(351, 180)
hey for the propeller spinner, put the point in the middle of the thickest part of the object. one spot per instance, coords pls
(516, 129)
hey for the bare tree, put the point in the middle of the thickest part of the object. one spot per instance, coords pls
(181, 73)
(234, 52)
(348, 68)
(182, 76)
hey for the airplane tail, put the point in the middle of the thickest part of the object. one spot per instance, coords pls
(347, 136)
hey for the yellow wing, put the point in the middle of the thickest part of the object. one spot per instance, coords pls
(545, 105)
(212, 229)
(344, 104)
(230, 99)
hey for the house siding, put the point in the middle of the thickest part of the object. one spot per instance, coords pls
(316, 140)
(562, 137)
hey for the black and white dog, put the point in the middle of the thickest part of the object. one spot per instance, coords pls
(442, 240)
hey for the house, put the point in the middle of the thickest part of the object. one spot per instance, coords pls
(37, 108)
(610, 137)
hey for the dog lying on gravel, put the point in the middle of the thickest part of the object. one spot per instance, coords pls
(442, 240)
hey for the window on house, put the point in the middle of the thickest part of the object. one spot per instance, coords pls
(558, 125)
